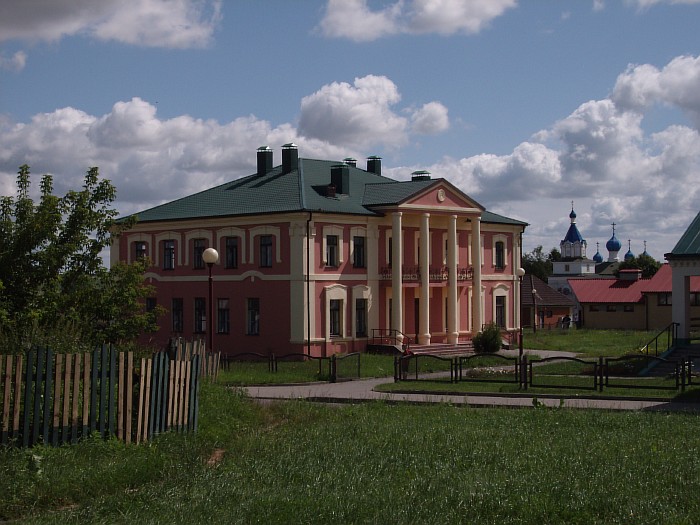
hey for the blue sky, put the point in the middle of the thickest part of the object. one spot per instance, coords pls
(524, 105)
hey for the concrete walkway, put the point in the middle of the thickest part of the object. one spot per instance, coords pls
(363, 391)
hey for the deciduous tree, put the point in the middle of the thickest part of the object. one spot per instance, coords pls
(51, 272)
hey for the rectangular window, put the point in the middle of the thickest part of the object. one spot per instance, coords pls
(360, 317)
(253, 317)
(150, 304)
(199, 245)
(200, 315)
(358, 256)
(231, 252)
(223, 322)
(611, 308)
(139, 250)
(664, 299)
(694, 299)
(177, 314)
(169, 254)
(500, 256)
(332, 250)
(593, 308)
(335, 305)
(266, 251)
(501, 311)
(629, 308)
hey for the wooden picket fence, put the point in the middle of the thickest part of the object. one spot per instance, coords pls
(59, 398)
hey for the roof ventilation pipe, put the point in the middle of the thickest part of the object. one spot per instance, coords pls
(290, 157)
(264, 160)
(420, 175)
(350, 161)
(374, 165)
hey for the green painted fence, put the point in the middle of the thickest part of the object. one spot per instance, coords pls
(59, 398)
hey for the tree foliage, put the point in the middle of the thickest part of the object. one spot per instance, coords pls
(51, 272)
(646, 263)
(538, 263)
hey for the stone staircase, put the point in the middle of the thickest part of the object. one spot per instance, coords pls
(674, 355)
(443, 349)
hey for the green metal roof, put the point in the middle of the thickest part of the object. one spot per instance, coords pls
(302, 190)
(494, 218)
(393, 192)
(689, 243)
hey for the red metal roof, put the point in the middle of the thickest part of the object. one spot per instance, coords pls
(624, 291)
(661, 282)
(607, 290)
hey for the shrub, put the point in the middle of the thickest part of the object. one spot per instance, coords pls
(488, 340)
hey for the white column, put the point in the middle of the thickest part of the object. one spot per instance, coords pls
(452, 316)
(477, 313)
(397, 273)
(424, 302)
(680, 291)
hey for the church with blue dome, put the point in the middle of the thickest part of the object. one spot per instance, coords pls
(574, 262)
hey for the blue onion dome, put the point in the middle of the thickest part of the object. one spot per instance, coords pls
(572, 215)
(629, 255)
(597, 258)
(613, 245)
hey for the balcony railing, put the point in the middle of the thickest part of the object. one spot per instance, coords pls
(435, 273)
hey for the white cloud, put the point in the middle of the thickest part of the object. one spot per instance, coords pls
(600, 155)
(645, 4)
(354, 20)
(153, 23)
(430, 119)
(677, 84)
(15, 63)
(356, 115)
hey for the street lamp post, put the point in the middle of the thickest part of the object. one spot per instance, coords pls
(536, 316)
(520, 272)
(211, 257)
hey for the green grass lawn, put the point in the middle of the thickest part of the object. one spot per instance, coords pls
(298, 462)
(294, 371)
(590, 343)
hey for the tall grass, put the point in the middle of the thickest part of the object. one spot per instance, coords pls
(297, 462)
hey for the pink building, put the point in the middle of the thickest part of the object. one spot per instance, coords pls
(314, 255)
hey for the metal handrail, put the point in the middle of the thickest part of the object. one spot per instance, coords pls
(671, 331)
(391, 334)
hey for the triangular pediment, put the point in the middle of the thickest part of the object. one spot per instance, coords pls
(442, 195)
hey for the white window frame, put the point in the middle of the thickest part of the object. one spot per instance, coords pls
(336, 292)
(333, 230)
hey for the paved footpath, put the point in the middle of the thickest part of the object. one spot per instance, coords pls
(363, 390)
